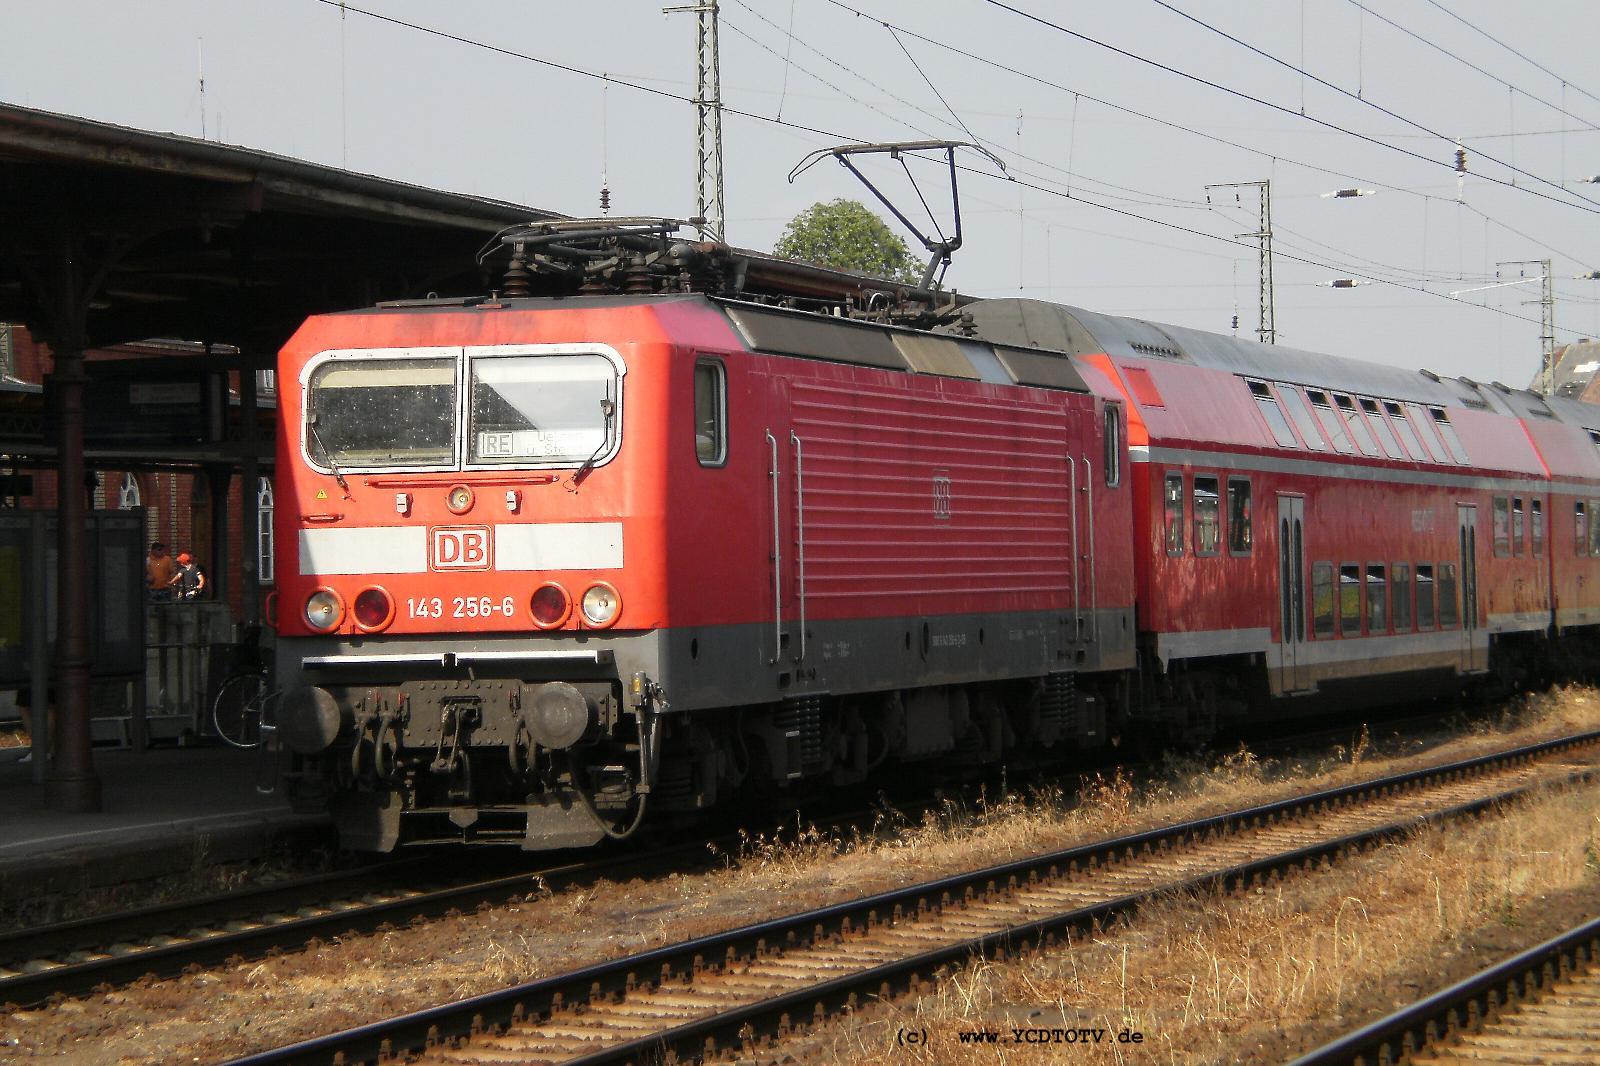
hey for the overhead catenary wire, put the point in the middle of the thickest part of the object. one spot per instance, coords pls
(1526, 59)
(1582, 203)
(1447, 53)
(1192, 131)
(838, 136)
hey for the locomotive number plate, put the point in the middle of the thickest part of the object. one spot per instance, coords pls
(460, 548)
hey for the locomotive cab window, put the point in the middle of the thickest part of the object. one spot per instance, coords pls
(1113, 441)
(1174, 512)
(380, 412)
(541, 409)
(1207, 517)
(1239, 515)
(710, 413)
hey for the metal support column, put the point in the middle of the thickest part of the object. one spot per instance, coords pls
(218, 481)
(71, 784)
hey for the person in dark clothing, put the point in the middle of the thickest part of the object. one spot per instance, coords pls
(189, 581)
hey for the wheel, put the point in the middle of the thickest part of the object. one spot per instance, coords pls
(236, 712)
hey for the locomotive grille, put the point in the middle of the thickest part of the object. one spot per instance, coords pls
(1057, 706)
(800, 721)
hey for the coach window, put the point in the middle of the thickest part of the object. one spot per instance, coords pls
(1272, 413)
(1380, 426)
(1300, 414)
(1358, 425)
(1441, 422)
(1594, 527)
(1502, 526)
(1207, 517)
(1350, 600)
(1239, 515)
(1536, 524)
(1377, 599)
(1322, 599)
(1449, 608)
(1408, 432)
(1174, 514)
(1580, 528)
(1113, 422)
(1400, 581)
(1518, 524)
(1424, 595)
(1332, 424)
(710, 413)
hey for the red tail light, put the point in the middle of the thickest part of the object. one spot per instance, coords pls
(550, 606)
(373, 609)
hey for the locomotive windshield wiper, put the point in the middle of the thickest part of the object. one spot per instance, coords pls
(609, 410)
(333, 464)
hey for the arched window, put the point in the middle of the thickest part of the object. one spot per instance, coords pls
(128, 495)
(264, 531)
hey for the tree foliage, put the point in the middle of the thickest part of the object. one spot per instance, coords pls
(845, 235)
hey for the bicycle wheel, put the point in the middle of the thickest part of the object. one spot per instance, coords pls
(236, 712)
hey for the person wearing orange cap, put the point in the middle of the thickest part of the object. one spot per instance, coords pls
(188, 581)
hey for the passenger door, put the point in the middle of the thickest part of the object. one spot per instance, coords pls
(1474, 643)
(1293, 669)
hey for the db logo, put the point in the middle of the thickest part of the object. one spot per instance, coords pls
(459, 548)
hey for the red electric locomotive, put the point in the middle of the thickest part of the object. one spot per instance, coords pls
(549, 563)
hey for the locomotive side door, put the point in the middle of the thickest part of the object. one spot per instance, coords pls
(1294, 670)
(1475, 649)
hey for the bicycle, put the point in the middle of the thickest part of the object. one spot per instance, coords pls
(241, 702)
(242, 698)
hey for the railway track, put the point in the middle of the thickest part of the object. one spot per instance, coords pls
(71, 958)
(739, 990)
(1541, 1006)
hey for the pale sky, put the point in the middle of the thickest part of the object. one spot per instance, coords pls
(299, 77)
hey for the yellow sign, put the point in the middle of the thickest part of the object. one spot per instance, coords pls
(322, 494)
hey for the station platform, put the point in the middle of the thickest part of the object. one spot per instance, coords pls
(164, 811)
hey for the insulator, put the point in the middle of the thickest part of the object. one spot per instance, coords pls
(1461, 160)
(517, 277)
(1235, 321)
(605, 199)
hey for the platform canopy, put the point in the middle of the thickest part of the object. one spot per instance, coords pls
(110, 234)
(178, 237)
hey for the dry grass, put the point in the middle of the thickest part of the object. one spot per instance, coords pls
(1013, 824)
(1259, 976)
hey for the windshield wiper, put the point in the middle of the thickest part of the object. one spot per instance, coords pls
(333, 464)
(605, 441)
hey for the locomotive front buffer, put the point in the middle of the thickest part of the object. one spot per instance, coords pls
(554, 758)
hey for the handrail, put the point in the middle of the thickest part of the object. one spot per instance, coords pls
(800, 535)
(777, 556)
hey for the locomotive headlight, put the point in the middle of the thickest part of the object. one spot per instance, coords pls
(600, 605)
(459, 499)
(550, 605)
(324, 610)
(373, 609)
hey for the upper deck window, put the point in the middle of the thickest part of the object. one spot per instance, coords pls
(1332, 424)
(382, 412)
(1304, 421)
(1441, 422)
(1358, 425)
(1271, 412)
(540, 409)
